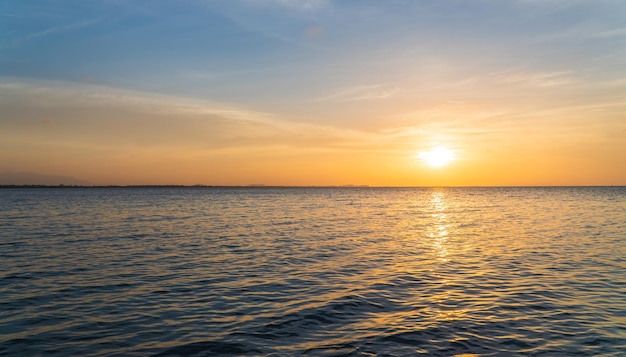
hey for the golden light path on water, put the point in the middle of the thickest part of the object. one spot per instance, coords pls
(438, 232)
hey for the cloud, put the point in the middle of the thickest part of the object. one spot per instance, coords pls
(609, 33)
(57, 93)
(64, 28)
(293, 4)
(538, 79)
(91, 116)
(284, 20)
(252, 24)
(361, 92)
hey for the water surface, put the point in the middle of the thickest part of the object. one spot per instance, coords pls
(313, 271)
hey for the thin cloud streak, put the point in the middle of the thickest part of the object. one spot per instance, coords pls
(539, 79)
(65, 28)
(307, 5)
(362, 92)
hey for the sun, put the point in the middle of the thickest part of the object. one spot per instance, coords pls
(437, 157)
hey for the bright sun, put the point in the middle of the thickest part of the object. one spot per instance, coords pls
(437, 157)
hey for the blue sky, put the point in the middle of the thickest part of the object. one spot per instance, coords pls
(419, 71)
(303, 48)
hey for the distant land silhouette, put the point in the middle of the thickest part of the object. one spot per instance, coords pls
(31, 178)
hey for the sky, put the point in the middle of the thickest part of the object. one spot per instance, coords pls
(315, 92)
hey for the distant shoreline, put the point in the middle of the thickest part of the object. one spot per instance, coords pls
(181, 186)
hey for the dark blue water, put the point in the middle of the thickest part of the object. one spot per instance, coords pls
(313, 271)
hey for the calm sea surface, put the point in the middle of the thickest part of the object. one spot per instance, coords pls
(313, 271)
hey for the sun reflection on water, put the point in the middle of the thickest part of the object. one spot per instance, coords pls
(439, 228)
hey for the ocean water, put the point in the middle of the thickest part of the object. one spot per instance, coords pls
(313, 271)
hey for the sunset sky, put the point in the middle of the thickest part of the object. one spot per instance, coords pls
(315, 92)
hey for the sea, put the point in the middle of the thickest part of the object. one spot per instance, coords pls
(318, 271)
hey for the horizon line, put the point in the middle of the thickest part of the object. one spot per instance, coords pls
(291, 186)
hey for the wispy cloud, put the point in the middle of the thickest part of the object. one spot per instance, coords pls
(64, 28)
(65, 93)
(293, 4)
(538, 79)
(288, 21)
(95, 115)
(253, 25)
(609, 33)
(361, 92)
